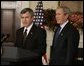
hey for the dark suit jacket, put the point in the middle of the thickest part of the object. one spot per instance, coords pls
(64, 51)
(35, 42)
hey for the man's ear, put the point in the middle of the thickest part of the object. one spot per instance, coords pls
(67, 15)
(32, 17)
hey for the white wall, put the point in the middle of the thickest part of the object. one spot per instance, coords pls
(81, 38)
(73, 5)
(46, 4)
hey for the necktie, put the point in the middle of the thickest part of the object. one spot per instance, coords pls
(57, 32)
(25, 33)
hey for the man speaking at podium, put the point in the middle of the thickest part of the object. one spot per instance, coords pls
(30, 36)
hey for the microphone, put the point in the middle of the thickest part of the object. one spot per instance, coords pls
(2, 35)
(4, 38)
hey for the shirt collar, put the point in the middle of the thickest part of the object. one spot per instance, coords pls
(28, 28)
(62, 26)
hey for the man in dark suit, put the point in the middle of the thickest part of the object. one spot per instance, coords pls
(66, 39)
(31, 37)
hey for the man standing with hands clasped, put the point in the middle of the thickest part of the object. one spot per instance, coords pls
(65, 41)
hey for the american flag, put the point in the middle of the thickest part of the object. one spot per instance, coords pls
(39, 21)
(38, 14)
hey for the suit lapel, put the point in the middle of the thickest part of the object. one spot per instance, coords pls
(64, 29)
(30, 35)
(22, 32)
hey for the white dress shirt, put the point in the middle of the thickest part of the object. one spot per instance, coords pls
(62, 26)
(28, 28)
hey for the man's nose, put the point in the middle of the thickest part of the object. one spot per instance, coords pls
(24, 19)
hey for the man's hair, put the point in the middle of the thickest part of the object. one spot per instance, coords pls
(66, 10)
(27, 10)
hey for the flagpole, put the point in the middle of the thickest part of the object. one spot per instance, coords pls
(58, 3)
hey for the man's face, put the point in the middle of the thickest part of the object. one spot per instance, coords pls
(26, 19)
(60, 16)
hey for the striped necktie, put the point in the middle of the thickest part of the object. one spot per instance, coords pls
(57, 32)
(25, 33)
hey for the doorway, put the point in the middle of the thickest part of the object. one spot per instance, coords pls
(8, 23)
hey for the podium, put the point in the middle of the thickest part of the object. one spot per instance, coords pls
(14, 55)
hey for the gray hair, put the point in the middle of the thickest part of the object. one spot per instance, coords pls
(27, 10)
(66, 10)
